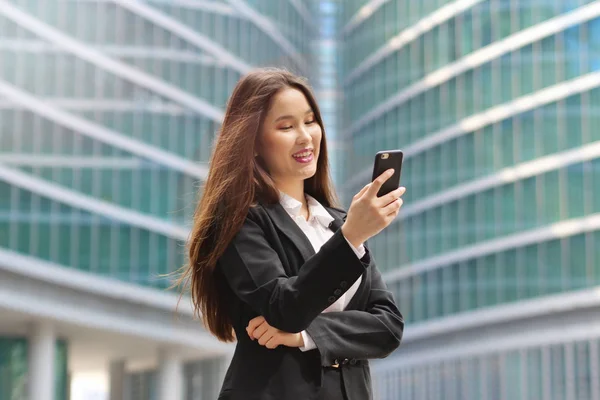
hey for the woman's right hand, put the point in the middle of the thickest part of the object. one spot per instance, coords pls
(368, 214)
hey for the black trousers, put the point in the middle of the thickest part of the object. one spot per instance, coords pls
(333, 385)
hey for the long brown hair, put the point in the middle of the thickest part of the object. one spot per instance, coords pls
(237, 181)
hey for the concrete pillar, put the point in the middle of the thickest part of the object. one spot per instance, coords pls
(116, 376)
(69, 383)
(170, 375)
(42, 349)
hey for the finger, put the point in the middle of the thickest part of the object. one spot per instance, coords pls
(392, 196)
(378, 182)
(394, 214)
(253, 324)
(362, 191)
(393, 207)
(273, 342)
(266, 337)
(260, 331)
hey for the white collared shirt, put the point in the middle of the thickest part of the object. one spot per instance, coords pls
(316, 229)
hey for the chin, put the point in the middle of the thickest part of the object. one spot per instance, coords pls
(309, 173)
(306, 171)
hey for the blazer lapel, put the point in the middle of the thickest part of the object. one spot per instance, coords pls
(286, 225)
(289, 228)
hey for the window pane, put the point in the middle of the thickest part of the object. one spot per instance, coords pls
(549, 128)
(418, 291)
(506, 205)
(595, 239)
(548, 61)
(488, 281)
(574, 189)
(486, 151)
(467, 159)
(528, 204)
(470, 220)
(509, 275)
(553, 266)
(487, 205)
(513, 370)
(595, 185)
(551, 197)
(527, 136)
(531, 271)
(505, 141)
(451, 289)
(576, 270)
(535, 379)
(572, 121)
(470, 285)
(526, 70)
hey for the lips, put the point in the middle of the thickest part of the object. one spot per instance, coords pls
(304, 156)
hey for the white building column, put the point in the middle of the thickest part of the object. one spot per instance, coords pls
(42, 349)
(69, 383)
(170, 374)
(116, 376)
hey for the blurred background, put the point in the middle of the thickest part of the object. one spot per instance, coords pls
(108, 110)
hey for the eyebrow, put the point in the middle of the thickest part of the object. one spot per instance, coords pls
(291, 116)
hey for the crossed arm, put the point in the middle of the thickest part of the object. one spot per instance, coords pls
(373, 333)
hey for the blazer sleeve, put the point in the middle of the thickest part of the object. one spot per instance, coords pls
(353, 334)
(254, 271)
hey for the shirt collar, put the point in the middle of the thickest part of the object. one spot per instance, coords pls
(316, 210)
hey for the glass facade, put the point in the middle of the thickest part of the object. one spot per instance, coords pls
(14, 367)
(558, 371)
(108, 111)
(203, 378)
(496, 105)
(202, 381)
(100, 96)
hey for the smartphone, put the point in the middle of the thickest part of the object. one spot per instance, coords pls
(385, 160)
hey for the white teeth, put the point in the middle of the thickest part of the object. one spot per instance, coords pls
(305, 154)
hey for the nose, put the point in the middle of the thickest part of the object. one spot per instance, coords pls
(303, 135)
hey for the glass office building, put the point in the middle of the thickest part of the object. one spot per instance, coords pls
(495, 257)
(108, 110)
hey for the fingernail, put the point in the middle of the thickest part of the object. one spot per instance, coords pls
(391, 171)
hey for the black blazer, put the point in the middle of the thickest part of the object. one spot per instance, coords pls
(270, 269)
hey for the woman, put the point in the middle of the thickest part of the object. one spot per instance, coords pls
(269, 264)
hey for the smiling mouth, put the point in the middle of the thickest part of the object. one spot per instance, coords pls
(304, 157)
(304, 154)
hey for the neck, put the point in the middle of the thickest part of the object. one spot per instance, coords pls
(294, 189)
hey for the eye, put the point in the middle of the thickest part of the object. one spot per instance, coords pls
(286, 128)
(311, 121)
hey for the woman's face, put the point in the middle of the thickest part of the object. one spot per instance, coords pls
(290, 139)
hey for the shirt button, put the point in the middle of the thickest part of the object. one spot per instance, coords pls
(337, 292)
(343, 284)
(331, 299)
